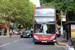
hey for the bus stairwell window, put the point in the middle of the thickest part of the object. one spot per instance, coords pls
(51, 29)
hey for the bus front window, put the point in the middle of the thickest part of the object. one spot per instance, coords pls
(44, 29)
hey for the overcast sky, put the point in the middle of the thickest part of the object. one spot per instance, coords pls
(36, 2)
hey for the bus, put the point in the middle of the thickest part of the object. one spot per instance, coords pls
(44, 24)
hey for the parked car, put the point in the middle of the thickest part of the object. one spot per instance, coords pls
(71, 44)
(17, 32)
(22, 31)
(27, 33)
(31, 29)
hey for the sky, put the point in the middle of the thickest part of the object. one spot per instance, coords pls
(36, 2)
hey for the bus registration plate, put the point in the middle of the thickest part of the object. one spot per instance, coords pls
(44, 41)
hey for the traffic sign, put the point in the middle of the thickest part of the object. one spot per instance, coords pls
(63, 14)
(61, 11)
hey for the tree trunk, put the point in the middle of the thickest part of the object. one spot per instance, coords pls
(16, 26)
(26, 28)
(8, 27)
(7, 31)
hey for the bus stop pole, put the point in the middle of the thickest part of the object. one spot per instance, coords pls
(61, 23)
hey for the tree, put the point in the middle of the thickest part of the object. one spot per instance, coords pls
(7, 11)
(61, 5)
(17, 11)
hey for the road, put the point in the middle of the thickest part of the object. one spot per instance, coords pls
(17, 43)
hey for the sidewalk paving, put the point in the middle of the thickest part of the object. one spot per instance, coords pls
(62, 41)
(8, 36)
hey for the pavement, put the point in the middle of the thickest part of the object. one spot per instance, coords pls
(62, 41)
(8, 36)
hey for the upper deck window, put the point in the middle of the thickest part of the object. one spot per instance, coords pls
(45, 11)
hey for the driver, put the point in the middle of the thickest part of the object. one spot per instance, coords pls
(37, 30)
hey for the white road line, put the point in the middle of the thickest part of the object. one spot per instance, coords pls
(16, 40)
(4, 44)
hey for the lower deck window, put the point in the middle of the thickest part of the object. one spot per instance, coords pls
(44, 28)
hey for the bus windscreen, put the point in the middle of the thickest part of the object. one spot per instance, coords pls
(46, 29)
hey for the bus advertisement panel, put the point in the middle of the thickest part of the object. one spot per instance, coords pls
(44, 24)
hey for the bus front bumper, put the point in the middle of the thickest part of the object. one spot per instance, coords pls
(44, 41)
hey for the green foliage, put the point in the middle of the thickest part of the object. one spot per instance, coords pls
(61, 5)
(20, 10)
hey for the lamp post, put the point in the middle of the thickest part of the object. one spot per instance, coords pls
(67, 14)
(67, 10)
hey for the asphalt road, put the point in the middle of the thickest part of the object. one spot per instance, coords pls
(17, 43)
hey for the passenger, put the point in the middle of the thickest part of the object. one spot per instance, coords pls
(37, 30)
(10, 33)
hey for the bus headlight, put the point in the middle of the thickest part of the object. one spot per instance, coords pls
(52, 37)
(36, 37)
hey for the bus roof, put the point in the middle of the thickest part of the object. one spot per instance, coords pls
(45, 6)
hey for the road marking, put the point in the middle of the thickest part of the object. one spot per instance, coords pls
(16, 40)
(55, 44)
(4, 44)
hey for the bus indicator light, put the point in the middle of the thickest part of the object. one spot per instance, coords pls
(43, 36)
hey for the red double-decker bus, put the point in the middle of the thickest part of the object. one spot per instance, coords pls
(44, 24)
